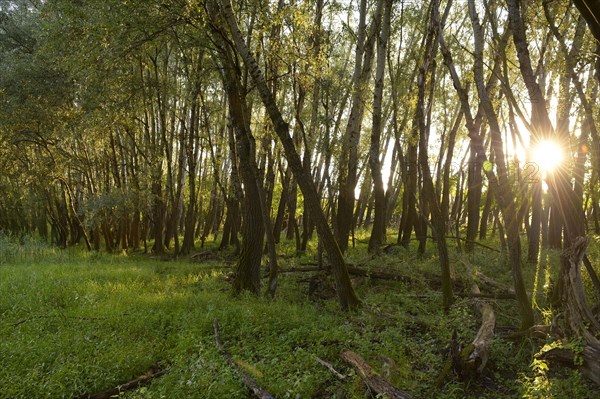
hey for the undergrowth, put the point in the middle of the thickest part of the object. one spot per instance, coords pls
(76, 323)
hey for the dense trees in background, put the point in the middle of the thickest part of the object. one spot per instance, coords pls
(129, 125)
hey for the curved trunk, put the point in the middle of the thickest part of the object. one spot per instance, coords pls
(345, 292)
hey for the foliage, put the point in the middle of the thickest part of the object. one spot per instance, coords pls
(16, 249)
(76, 323)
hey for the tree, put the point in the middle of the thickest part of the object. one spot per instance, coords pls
(379, 223)
(346, 295)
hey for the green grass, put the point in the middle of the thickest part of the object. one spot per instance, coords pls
(74, 323)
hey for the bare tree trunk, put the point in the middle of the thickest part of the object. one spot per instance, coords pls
(505, 198)
(378, 231)
(438, 223)
(348, 165)
(192, 149)
(283, 201)
(346, 294)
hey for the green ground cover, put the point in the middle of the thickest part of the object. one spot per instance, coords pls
(75, 323)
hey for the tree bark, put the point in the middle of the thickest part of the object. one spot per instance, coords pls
(348, 166)
(438, 223)
(346, 294)
(253, 227)
(378, 231)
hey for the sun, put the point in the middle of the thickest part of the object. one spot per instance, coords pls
(547, 155)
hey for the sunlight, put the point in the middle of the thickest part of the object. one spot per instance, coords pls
(547, 155)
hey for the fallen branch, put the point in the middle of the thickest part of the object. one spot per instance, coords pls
(491, 282)
(540, 331)
(371, 378)
(139, 382)
(379, 274)
(330, 368)
(497, 295)
(203, 256)
(300, 269)
(248, 381)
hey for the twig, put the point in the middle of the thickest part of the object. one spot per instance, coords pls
(330, 367)
(144, 380)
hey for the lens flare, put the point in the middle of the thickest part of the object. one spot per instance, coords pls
(547, 155)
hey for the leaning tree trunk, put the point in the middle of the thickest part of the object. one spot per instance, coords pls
(502, 185)
(345, 292)
(499, 184)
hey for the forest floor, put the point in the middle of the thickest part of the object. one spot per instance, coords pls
(73, 324)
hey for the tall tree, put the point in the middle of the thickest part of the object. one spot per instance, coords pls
(380, 208)
(345, 292)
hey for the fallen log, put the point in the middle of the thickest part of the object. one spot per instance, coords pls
(479, 356)
(139, 382)
(386, 247)
(432, 279)
(474, 357)
(378, 274)
(300, 269)
(371, 378)
(498, 295)
(246, 379)
(588, 360)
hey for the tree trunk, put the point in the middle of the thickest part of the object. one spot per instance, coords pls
(533, 234)
(485, 214)
(283, 201)
(504, 191)
(378, 231)
(158, 212)
(348, 166)
(346, 294)
(438, 223)
(475, 184)
(253, 226)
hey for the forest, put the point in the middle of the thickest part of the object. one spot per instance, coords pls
(299, 199)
